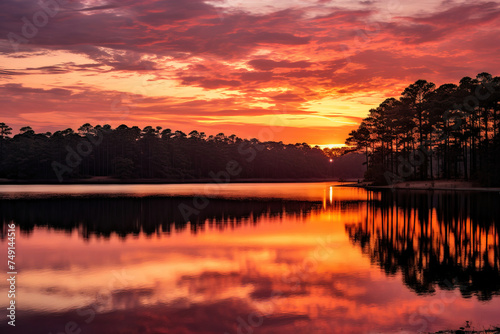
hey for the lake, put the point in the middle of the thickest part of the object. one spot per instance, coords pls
(249, 258)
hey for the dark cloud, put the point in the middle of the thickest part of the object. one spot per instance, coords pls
(269, 64)
(103, 7)
(260, 76)
(219, 83)
(450, 23)
(18, 89)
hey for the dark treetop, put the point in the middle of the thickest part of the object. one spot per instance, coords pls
(152, 153)
(449, 132)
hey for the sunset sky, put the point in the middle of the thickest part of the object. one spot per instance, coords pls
(291, 71)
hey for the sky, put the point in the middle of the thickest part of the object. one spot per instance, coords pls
(282, 70)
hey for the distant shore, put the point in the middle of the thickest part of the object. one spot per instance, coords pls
(110, 180)
(431, 185)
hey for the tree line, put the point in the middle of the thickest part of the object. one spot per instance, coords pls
(446, 132)
(152, 153)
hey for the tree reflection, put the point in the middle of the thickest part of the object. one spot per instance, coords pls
(445, 239)
(103, 216)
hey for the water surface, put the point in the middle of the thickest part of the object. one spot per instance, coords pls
(251, 258)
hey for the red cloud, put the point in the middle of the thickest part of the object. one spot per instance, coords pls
(269, 64)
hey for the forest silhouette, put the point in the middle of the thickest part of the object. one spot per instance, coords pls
(152, 153)
(446, 132)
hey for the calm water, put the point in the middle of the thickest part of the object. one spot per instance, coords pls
(250, 258)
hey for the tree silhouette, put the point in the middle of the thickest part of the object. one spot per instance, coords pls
(5, 131)
(153, 153)
(449, 132)
(444, 239)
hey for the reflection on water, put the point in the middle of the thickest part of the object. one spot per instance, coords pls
(256, 258)
(124, 216)
(445, 239)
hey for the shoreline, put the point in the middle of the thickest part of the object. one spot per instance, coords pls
(105, 180)
(440, 185)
